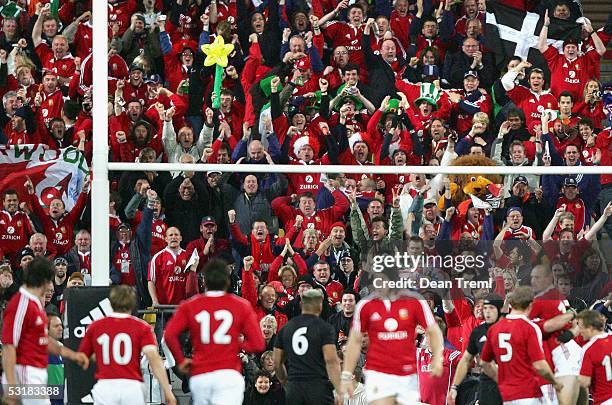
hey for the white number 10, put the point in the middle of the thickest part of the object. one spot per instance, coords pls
(608, 366)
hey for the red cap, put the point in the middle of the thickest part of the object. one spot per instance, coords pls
(303, 63)
(338, 223)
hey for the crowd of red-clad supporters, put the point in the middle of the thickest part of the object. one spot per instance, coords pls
(314, 83)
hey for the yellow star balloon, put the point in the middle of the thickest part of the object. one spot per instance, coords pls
(217, 52)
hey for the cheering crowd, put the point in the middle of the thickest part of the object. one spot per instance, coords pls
(314, 83)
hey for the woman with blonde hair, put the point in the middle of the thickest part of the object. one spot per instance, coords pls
(478, 135)
(591, 105)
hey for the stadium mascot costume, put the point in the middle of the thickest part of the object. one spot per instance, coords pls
(486, 187)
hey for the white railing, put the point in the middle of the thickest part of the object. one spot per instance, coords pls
(263, 168)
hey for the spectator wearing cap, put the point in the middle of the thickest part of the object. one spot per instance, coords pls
(23, 127)
(79, 257)
(570, 71)
(469, 101)
(130, 254)
(514, 227)
(132, 89)
(179, 59)
(137, 38)
(213, 198)
(342, 320)
(60, 280)
(208, 245)
(250, 201)
(427, 213)
(15, 225)
(532, 202)
(22, 258)
(58, 224)
(570, 201)
(133, 212)
(339, 246)
(383, 68)
(588, 185)
(184, 204)
(470, 57)
(346, 269)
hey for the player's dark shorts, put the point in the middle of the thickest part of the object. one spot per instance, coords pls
(488, 393)
(309, 393)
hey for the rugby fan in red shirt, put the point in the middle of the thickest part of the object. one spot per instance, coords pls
(563, 358)
(168, 270)
(58, 224)
(346, 34)
(515, 344)
(215, 321)
(25, 343)
(49, 101)
(435, 389)
(321, 220)
(15, 225)
(390, 318)
(570, 72)
(596, 370)
(117, 342)
(533, 100)
(515, 228)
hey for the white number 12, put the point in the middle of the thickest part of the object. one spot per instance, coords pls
(220, 336)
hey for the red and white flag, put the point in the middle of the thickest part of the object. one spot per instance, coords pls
(55, 173)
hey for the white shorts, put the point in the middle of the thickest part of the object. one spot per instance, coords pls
(118, 391)
(608, 402)
(567, 358)
(404, 388)
(221, 387)
(30, 375)
(525, 401)
(549, 395)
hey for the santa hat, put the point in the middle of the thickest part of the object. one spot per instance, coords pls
(303, 141)
(180, 46)
(303, 63)
(356, 138)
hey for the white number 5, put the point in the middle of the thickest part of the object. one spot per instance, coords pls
(504, 343)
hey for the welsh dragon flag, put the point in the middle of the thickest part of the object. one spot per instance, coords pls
(54, 173)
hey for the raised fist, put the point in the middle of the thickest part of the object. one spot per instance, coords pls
(231, 215)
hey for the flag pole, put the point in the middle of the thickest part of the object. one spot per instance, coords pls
(100, 255)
